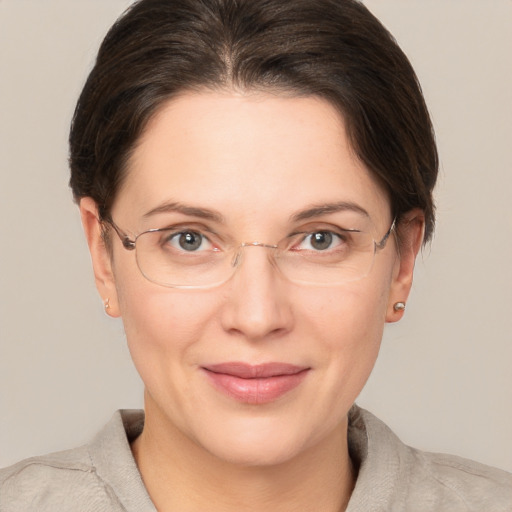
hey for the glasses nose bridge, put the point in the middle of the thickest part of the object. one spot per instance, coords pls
(237, 258)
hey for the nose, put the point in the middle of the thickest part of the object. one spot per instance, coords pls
(257, 305)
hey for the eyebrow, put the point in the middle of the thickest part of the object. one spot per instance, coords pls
(193, 211)
(208, 214)
(328, 208)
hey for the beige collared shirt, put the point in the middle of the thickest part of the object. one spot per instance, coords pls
(102, 476)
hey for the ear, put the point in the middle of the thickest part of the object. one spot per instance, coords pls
(100, 256)
(410, 231)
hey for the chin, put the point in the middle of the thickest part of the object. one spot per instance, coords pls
(263, 454)
(259, 442)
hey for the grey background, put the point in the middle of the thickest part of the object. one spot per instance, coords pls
(443, 381)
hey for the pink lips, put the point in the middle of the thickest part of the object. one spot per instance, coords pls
(255, 384)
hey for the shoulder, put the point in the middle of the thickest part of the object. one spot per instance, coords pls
(405, 478)
(471, 485)
(64, 480)
(100, 476)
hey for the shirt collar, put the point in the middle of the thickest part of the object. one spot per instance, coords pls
(374, 449)
(111, 455)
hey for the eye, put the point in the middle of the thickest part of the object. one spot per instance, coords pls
(189, 241)
(320, 241)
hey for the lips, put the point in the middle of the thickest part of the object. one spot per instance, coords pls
(255, 384)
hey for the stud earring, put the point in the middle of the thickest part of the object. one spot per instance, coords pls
(399, 306)
(107, 303)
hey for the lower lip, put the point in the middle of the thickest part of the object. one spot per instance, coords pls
(256, 390)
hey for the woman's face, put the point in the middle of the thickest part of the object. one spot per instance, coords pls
(255, 161)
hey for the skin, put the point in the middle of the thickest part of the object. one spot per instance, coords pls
(257, 159)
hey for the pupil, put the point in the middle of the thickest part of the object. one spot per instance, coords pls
(190, 241)
(321, 240)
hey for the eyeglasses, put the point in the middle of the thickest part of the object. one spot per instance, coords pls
(190, 257)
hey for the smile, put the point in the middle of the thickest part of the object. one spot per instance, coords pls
(255, 384)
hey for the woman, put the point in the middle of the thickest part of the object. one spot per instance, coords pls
(255, 181)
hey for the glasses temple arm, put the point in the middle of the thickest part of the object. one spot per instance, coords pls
(382, 243)
(127, 242)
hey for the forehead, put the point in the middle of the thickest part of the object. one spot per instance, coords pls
(257, 155)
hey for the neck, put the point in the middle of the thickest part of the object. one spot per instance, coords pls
(174, 468)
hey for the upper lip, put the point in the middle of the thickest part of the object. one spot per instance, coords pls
(255, 371)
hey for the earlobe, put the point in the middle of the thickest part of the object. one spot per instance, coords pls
(411, 230)
(100, 256)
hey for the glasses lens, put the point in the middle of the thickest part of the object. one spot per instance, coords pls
(328, 257)
(180, 259)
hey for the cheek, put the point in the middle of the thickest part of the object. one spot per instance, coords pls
(348, 314)
(348, 325)
(161, 324)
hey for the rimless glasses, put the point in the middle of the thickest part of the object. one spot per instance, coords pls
(190, 257)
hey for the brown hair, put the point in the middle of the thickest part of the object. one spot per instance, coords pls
(334, 49)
